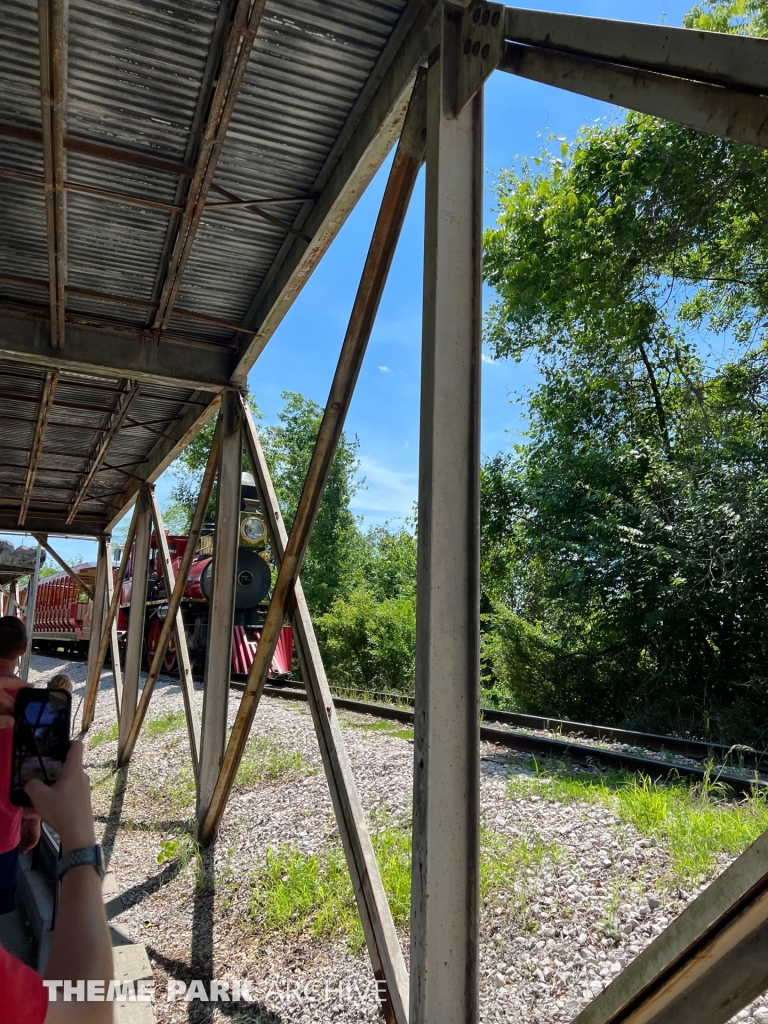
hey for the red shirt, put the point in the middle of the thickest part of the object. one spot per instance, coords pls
(23, 998)
(10, 815)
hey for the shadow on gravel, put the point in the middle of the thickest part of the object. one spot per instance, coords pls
(114, 815)
(241, 1012)
(131, 897)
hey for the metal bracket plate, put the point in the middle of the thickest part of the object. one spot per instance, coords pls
(481, 46)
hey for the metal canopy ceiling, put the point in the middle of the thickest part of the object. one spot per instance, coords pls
(169, 177)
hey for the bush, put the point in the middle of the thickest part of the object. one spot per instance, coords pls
(369, 644)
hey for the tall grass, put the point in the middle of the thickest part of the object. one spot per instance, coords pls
(298, 893)
(695, 824)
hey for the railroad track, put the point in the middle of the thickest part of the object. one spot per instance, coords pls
(572, 747)
(568, 741)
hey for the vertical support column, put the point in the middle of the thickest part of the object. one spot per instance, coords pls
(218, 666)
(134, 649)
(445, 886)
(114, 643)
(99, 609)
(29, 617)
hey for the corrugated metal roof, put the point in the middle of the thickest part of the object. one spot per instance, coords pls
(139, 76)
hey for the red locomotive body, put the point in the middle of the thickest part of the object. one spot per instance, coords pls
(63, 612)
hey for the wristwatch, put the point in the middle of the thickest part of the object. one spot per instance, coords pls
(78, 858)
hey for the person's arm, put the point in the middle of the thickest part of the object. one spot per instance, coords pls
(81, 948)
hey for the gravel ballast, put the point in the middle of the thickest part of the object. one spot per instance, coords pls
(543, 954)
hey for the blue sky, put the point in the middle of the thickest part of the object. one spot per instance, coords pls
(385, 409)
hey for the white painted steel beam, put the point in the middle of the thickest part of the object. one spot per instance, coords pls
(134, 647)
(46, 404)
(41, 540)
(375, 915)
(218, 664)
(113, 353)
(445, 887)
(99, 607)
(689, 53)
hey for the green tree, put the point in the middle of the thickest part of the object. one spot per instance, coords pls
(330, 563)
(625, 541)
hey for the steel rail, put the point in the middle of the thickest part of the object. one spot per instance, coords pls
(580, 753)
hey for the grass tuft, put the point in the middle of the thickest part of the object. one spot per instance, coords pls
(266, 761)
(695, 824)
(168, 722)
(104, 735)
(298, 893)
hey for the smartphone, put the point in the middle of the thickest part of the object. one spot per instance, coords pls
(40, 739)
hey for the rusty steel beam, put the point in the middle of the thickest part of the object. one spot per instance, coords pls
(378, 927)
(708, 964)
(53, 27)
(237, 204)
(726, 112)
(234, 62)
(688, 53)
(91, 190)
(115, 419)
(123, 300)
(46, 402)
(173, 618)
(371, 129)
(105, 152)
(394, 205)
(42, 540)
(134, 642)
(94, 674)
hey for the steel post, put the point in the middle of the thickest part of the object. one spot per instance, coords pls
(29, 617)
(109, 630)
(99, 608)
(134, 648)
(173, 616)
(394, 205)
(218, 667)
(376, 918)
(445, 888)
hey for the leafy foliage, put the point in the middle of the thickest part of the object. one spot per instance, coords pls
(624, 543)
(328, 566)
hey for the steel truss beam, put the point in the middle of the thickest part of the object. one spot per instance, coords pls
(241, 36)
(112, 352)
(705, 966)
(375, 915)
(218, 661)
(134, 645)
(703, 80)
(115, 419)
(110, 622)
(173, 620)
(53, 27)
(29, 616)
(394, 205)
(43, 542)
(372, 128)
(46, 403)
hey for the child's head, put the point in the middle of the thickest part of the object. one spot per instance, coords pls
(13, 638)
(61, 681)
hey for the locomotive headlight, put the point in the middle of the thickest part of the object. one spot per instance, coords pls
(252, 529)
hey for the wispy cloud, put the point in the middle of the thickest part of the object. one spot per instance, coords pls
(487, 359)
(386, 490)
(385, 369)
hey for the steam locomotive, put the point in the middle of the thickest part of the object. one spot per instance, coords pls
(63, 612)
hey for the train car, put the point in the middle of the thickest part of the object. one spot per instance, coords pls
(63, 612)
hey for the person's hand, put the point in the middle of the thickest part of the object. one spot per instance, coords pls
(30, 832)
(6, 710)
(66, 806)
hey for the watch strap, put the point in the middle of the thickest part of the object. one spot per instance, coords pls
(79, 858)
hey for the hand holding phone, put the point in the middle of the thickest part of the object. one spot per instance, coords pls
(40, 739)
